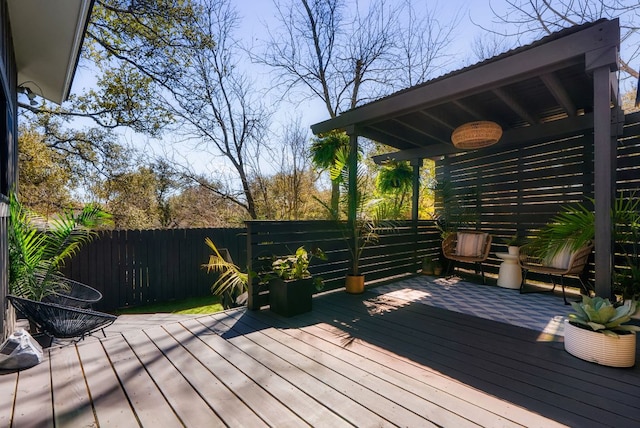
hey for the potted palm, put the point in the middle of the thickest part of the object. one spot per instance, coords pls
(363, 229)
(38, 248)
(291, 284)
(597, 332)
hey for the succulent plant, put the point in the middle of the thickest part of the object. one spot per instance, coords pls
(601, 315)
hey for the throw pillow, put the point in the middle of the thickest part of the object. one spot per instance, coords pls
(470, 244)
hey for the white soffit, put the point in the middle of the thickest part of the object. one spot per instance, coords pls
(47, 37)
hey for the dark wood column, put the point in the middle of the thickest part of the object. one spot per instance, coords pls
(604, 177)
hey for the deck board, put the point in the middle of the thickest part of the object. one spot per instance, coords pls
(292, 367)
(33, 402)
(186, 402)
(110, 402)
(146, 399)
(8, 383)
(267, 407)
(71, 401)
(302, 404)
(222, 400)
(367, 360)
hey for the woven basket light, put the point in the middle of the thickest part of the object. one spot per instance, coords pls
(599, 348)
(476, 135)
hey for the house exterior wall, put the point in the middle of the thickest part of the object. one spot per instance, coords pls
(8, 157)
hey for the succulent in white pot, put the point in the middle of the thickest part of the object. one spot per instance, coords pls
(597, 332)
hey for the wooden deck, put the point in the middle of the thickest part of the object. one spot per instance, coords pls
(364, 361)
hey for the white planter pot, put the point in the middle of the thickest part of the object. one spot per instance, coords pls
(599, 348)
(513, 250)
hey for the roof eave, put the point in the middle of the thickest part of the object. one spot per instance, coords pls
(47, 37)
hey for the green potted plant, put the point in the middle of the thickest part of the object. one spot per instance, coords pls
(437, 268)
(597, 331)
(291, 284)
(427, 265)
(38, 248)
(361, 231)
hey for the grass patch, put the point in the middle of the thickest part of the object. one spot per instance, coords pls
(192, 306)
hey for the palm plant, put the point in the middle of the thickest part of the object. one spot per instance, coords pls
(38, 249)
(574, 226)
(231, 282)
(455, 209)
(324, 151)
(395, 179)
(365, 228)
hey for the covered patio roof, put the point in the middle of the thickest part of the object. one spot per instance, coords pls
(47, 37)
(560, 85)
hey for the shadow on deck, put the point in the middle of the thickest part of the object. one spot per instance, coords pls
(368, 360)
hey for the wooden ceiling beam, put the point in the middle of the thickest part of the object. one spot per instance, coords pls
(511, 137)
(554, 86)
(515, 106)
(437, 119)
(420, 131)
(469, 110)
(383, 136)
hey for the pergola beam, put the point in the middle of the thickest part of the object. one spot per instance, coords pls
(554, 86)
(511, 137)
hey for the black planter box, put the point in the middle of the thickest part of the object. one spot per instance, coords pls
(289, 298)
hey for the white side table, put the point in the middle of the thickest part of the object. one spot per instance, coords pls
(510, 274)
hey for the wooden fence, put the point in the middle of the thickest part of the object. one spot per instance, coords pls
(136, 267)
(133, 267)
(398, 251)
(512, 189)
(517, 189)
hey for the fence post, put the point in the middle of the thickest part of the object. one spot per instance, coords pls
(252, 292)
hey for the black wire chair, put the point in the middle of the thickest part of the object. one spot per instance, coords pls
(63, 322)
(70, 292)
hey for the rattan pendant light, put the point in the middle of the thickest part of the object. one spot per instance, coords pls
(476, 135)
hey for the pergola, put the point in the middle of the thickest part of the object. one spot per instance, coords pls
(560, 85)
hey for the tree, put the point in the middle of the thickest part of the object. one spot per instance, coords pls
(131, 197)
(524, 20)
(58, 163)
(174, 66)
(333, 51)
(197, 206)
(44, 183)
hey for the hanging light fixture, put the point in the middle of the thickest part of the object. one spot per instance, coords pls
(476, 135)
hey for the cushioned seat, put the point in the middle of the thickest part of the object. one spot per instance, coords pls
(563, 263)
(468, 247)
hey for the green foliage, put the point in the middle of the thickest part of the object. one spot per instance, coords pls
(574, 225)
(38, 249)
(231, 279)
(455, 208)
(296, 266)
(395, 177)
(365, 228)
(190, 306)
(599, 314)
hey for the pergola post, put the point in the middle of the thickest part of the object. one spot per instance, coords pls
(415, 200)
(605, 143)
(352, 197)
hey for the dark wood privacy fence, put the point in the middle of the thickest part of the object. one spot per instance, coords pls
(509, 188)
(133, 267)
(517, 189)
(397, 251)
(136, 267)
